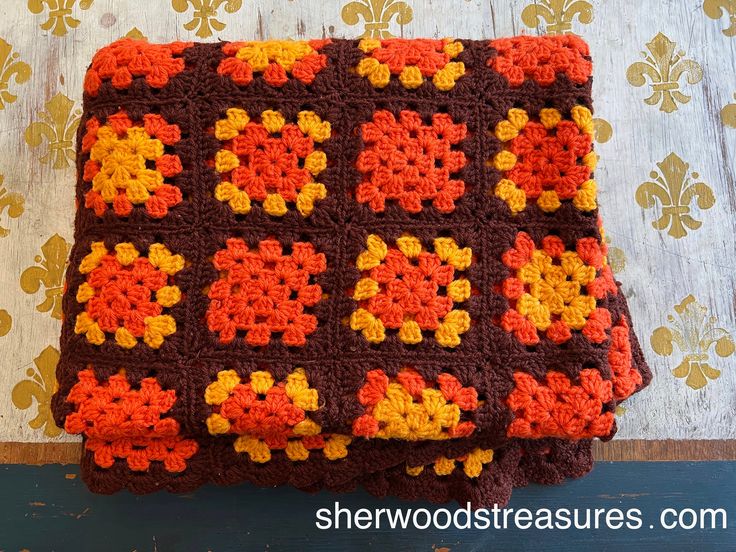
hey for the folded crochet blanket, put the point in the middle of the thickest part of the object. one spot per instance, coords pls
(335, 262)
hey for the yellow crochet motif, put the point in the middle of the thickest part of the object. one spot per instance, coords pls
(286, 53)
(473, 464)
(112, 311)
(400, 417)
(278, 171)
(556, 289)
(263, 414)
(411, 76)
(123, 164)
(505, 161)
(374, 316)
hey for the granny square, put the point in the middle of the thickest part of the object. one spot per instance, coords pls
(333, 263)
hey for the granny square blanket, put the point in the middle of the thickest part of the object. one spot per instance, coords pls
(334, 263)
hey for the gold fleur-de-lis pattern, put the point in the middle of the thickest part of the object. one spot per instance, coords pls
(674, 189)
(664, 66)
(56, 128)
(697, 337)
(12, 70)
(557, 16)
(204, 19)
(38, 387)
(377, 16)
(664, 129)
(60, 19)
(728, 114)
(11, 204)
(6, 322)
(715, 9)
(48, 273)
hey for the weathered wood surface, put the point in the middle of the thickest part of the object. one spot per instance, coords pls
(49, 508)
(673, 159)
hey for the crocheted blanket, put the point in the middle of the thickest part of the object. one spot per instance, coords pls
(335, 262)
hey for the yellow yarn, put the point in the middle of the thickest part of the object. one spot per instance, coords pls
(556, 290)
(448, 251)
(308, 196)
(158, 327)
(367, 45)
(218, 392)
(85, 325)
(365, 289)
(456, 322)
(370, 326)
(410, 246)
(296, 451)
(410, 332)
(160, 257)
(122, 163)
(401, 417)
(273, 121)
(375, 253)
(298, 390)
(259, 54)
(504, 160)
(336, 447)
(549, 117)
(227, 129)
(585, 199)
(411, 77)
(445, 78)
(261, 381)
(217, 425)
(256, 449)
(125, 253)
(509, 128)
(444, 466)
(275, 205)
(473, 464)
(125, 339)
(414, 470)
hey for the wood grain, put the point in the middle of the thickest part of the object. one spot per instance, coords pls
(615, 451)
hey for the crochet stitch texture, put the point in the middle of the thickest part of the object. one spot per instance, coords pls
(334, 263)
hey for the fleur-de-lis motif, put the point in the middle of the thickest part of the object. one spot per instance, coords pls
(616, 257)
(694, 333)
(13, 202)
(205, 14)
(40, 385)
(557, 14)
(58, 126)
(728, 114)
(602, 130)
(50, 274)
(664, 67)
(377, 15)
(60, 14)
(675, 190)
(136, 33)
(6, 322)
(11, 66)
(715, 9)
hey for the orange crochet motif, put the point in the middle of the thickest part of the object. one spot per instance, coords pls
(264, 291)
(624, 376)
(412, 60)
(123, 423)
(410, 162)
(127, 165)
(554, 291)
(559, 408)
(409, 407)
(270, 161)
(270, 416)
(275, 59)
(412, 290)
(547, 160)
(541, 59)
(127, 58)
(125, 294)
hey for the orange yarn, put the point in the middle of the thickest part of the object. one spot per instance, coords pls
(127, 58)
(555, 291)
(410, 162)
(270, 416)
(275, 59)
(411, 60)
(624, 376)
(411, 408)
(123, 423)
(127, 164)
(541, 58)
(263, 291)
(559, 408)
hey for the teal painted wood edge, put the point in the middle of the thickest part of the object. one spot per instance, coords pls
(41, 509)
